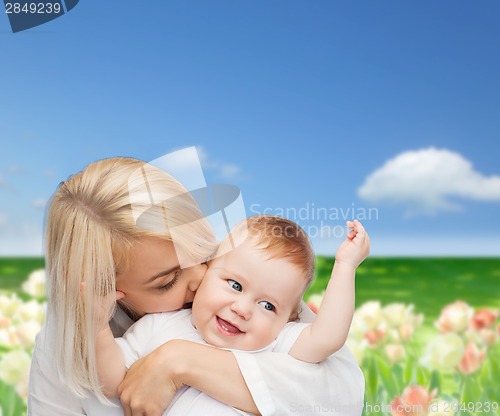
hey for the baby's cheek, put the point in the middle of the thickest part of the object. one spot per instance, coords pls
(267, 337)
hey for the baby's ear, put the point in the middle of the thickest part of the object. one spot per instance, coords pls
(294, 316)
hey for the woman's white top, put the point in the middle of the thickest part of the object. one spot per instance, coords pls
(279, 384)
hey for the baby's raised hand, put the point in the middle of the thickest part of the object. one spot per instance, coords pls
(356, 246)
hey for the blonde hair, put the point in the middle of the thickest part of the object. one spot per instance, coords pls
(279, 238)
(91, 227)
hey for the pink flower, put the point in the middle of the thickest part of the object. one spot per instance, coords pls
(484, 318)
(413, 402)
(374, 337)
(472, 359)
(399, 408)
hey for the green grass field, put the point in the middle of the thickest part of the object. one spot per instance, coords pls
(428, 283)
(15, 270)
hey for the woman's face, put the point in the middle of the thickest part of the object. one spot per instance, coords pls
(154, 281)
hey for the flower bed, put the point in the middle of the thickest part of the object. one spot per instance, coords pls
(20, 321)
(410, 370)
(451, 370)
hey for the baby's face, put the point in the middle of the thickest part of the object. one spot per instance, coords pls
(246, 299)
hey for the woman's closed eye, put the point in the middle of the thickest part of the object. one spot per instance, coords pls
(268, 306)
(235, 285)
(171, 282)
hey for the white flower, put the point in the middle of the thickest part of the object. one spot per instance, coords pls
(5, 322)
(485, 336)
(488, 336)
(22, 389)
(26, 333)
(7, 337)
(444, 352)
(9, 305)
(411, 321)
(358, 328)
(35, 284)
(314, 301)
(357, 349)
(14, 367)
(29, 311)
(394, 336)
(394, 352)
(370, 313)
(394, 314)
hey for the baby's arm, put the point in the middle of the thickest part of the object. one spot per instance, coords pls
(110, 361)
(330, 328)
(111, 367)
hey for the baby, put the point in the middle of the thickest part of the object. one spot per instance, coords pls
(249, 300)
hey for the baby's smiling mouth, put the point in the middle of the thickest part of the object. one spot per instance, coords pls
(227, 328)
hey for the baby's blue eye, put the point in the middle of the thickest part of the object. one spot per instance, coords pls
(235, 285)
(267, 305)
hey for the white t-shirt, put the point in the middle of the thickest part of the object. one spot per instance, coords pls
(153, 330)
(279, 384)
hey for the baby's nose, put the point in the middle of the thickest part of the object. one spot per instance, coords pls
(242, 308)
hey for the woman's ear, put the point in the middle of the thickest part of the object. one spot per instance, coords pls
(119, 295)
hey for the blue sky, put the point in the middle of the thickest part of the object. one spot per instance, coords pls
(312, 108)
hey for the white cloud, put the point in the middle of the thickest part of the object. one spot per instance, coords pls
(49, 173)
(224, 170)
(16, 169)
(425, 181)
(189, 166)
(182, 158)
(4, 184)
(229, 171)
(40, 203)
(185, 165)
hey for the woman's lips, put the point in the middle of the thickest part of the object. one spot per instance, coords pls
(227, 328)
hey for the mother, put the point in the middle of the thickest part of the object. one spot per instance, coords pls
(95, 245)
